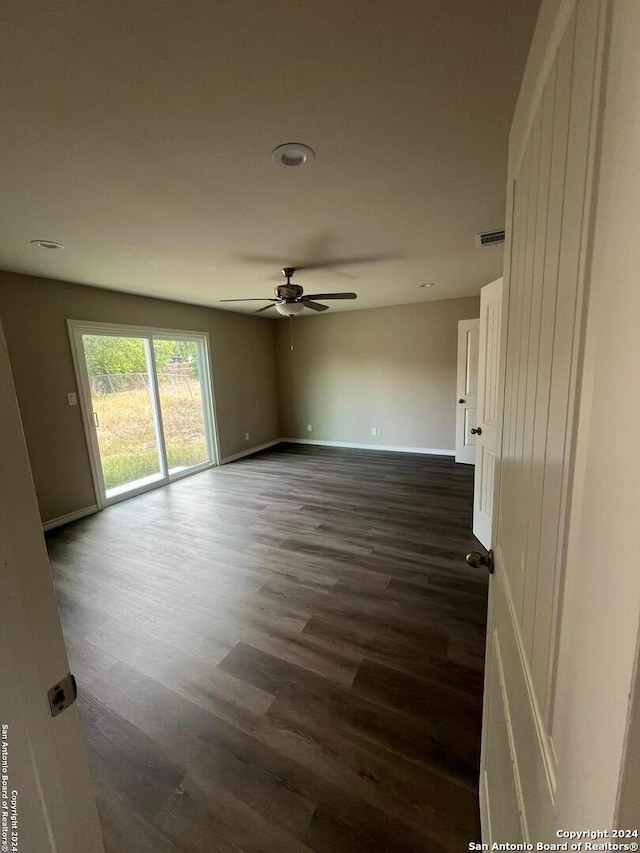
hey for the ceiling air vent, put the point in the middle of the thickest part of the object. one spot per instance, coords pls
(490, 238)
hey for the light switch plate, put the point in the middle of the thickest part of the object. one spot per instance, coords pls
(72, 398)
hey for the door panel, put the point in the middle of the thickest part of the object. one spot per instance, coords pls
(467, 391)
(486, 467)
(470, 416)
(491, 364)
(566, 353)
(529, 745)
(502, 811)
(550, 169)
(488, 409)
(548, 289)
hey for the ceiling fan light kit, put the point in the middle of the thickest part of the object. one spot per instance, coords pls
(289, 309)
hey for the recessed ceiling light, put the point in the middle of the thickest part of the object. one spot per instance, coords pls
(293, 155)
(47, 244)
(428, 284)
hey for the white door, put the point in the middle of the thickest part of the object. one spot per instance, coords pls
(487, 420)
(49, 804)
(549, 206)
(467, 391)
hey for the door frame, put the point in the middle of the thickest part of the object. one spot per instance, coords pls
(47, 757)
(76, 329)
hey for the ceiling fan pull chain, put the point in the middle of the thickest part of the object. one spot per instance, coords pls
(291, 318)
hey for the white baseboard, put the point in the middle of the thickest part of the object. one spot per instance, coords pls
(428, 451)
(250, 450)
(70, 516)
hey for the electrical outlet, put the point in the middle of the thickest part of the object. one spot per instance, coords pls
(72, 398)
(247, 436)
(309, 428)
(374, 430)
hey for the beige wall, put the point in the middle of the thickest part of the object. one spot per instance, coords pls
(390, 368)
(34, 312)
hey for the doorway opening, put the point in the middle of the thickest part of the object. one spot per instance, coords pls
(147, 404)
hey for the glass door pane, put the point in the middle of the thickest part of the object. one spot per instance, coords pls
(181, 395)
(123, 411)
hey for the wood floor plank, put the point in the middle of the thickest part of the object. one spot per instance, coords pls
(204, 816)
(284, 653)
(416, 696)
(414, 795)
(124, 827)
(212, 748)
(200, 681)
(346, 825)
(127, 759)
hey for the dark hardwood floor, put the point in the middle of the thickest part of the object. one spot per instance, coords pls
(282, 654)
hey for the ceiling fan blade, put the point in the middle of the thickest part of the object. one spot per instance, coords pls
(250, 299)
(330, 296)
(266, 308)
(315, 306)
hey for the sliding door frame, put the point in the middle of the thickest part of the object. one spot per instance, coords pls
(78, 328)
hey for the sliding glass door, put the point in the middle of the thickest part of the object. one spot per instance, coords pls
(122, 412)
(147, 405)
(179, 372)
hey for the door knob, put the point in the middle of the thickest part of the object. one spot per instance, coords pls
(461, 400)
(477, 431)
(477, 560)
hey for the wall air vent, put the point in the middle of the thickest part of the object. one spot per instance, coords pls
(490, 238)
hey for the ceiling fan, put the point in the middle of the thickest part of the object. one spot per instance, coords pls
(290, 300)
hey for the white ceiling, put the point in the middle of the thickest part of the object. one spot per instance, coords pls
(139, 134)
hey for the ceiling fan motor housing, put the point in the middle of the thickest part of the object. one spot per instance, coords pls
(288, 292)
